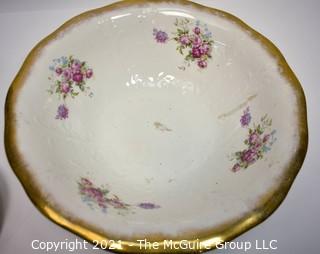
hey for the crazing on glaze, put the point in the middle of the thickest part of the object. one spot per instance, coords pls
(194, 41)
(69, 78)
(100, 197)
(259, 141)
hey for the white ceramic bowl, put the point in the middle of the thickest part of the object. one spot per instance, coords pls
(157, 120)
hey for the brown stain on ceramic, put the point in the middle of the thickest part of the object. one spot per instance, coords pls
(237, 108)
(161, 127)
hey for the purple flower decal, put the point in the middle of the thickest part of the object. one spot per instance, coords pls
(202, 64)
(116, 203)
(258, 142)
(266, 138)
(65, 88)
(236, 167)
(77, 77)
(89, 73)
(205, 49)
(67, 73)
(62, 112)
(194, 42)
(160, 36)
(148, 206)
(249, 156)
(254, 138)
(196, 52)
(91, 194)
(76, 65)
(100, 197)
(59, 71)
(245, 118)
(69, 78)
(184, 40)
(197, 30)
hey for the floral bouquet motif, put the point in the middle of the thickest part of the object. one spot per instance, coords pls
(100, 197)
(258, 141)
(69, 76)
(194, 41)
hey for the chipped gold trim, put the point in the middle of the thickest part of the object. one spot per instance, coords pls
(267, 204)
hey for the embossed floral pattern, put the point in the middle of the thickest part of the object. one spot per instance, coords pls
(194, 41)
(100, 197)
(259, 141)
(69, 78)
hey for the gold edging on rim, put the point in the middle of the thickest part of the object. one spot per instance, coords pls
(267, 204)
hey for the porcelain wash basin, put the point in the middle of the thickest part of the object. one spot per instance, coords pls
(157, 120)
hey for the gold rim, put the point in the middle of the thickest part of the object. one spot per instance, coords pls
(266, 206)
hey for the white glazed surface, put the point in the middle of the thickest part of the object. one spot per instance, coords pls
(111, 138)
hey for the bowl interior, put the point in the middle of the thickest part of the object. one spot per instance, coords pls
(156, 119)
